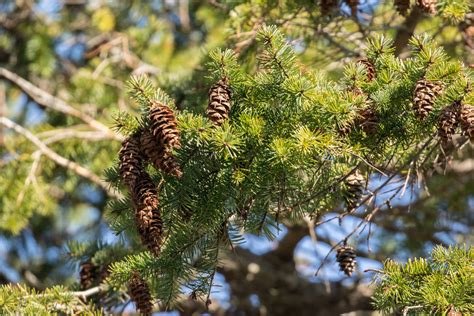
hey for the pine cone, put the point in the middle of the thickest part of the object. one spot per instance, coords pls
(219, 101)
(354, 190)
(346, 258)
(429, 6)
(327, 6)
(467, 29)
(88, 274)
(164, 126)
(467, 120)
(368, 120)
(353, 6)
(424, 97)
(161, 158)
(140, 294)
(147, 214)
(402, 6)
(448, 122)
(130, 160)
(370, 68)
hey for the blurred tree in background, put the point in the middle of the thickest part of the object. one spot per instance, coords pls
(64, 69)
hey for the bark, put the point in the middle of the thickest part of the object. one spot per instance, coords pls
(280, 288)
(407, 29)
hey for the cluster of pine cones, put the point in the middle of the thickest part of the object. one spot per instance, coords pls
(150, 145)
(154, 144)
(452, 116)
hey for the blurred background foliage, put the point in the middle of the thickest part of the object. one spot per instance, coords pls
(82, 52)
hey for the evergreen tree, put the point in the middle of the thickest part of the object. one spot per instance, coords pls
(208, 137)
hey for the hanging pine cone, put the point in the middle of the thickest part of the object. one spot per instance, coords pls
(147, 213)
(160, 157)
(353, 4)
(346, 258)
(424, 97)
(140, 294)
(467, 120)
(402, 6)
(164, 126)
(448, 122)
(429, 6)
(88, 274)
(368, 120)
(370, 68)
(219, 101)
(130, 160)
(354, 190)
(327, 6)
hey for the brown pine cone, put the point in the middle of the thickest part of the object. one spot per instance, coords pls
(370, 68)
(219, 101)
(161, 158)
(164, 126)
(88, 274)
(402, 6)
(147, 213)
(448, 122)
(140, 294)
(346, 258)
(424, 97)
(368, 120)
(467, 120)
(354, 190)
(429, 6)
(327, 6)
(130, 160)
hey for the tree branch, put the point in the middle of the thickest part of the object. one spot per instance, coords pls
(60, 160)
(47, 100)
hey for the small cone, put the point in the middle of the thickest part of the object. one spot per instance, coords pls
(346, 258)
(448, 122)
(161, 158)
(353, 4)
(368, 120)
(370, 68)
(467, 120)
(402, 6)
(424, 97)
(88, 274)
(164, 126)
(147, 213)
(327, 6)
(130, 160)
(429, 6)
(140, 294)
(354, 190)
(219, 101)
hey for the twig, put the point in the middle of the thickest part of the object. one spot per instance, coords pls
(408, 308)
(47, 100)
(374, 270)
(60, 160)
